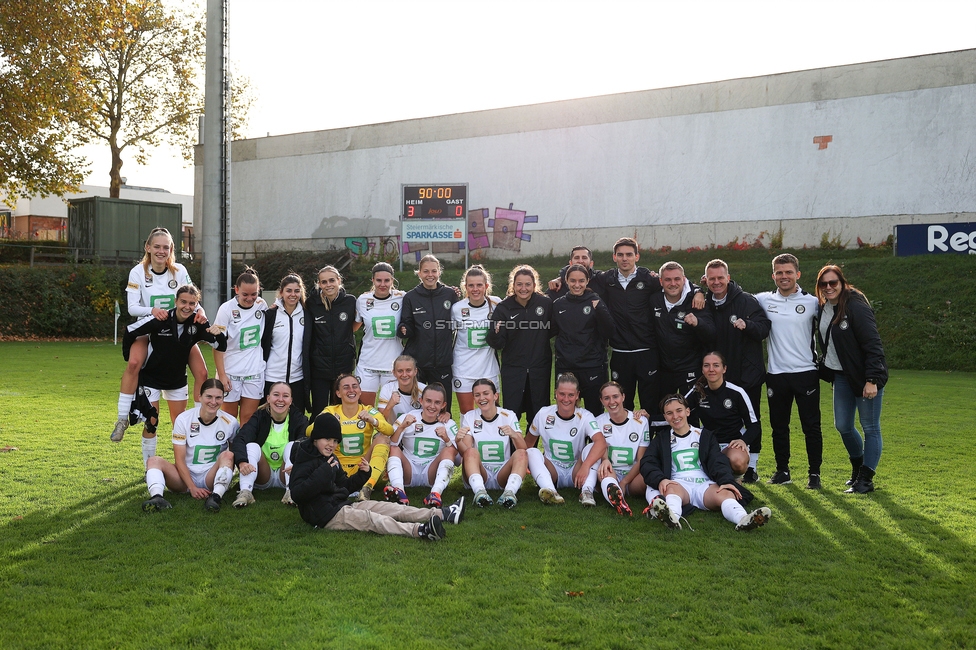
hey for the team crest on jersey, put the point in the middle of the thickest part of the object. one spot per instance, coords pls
(191, 330)
(681, 315)
(361, 424)
(415, 404)
(607, 428)
(634, 437)
(418, 428)
(301, 320)
(258, 315)
(343, 316)
(733, 318)
(220, 435)
(172, 284)
(236, 314)
(640, 286)
(550, 420)
(539, 311)
(573, 432)
(147, 391)
(194, 427)
(587, 309)
(395, 306)
(769, 392)
(727, 403)
(800, 309)
(844, 325)
(275, 456)
(457, 383)
(674, 439)
(695, 445)
(614, 375)
(369, 304)
(478, 424)
(465, 312)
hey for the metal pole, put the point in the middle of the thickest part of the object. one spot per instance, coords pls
(211, 226)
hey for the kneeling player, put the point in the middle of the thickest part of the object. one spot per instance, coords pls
(204, 466)
(422, 449)
(262, 447)
(488, 459)
(564, 461)
(627, 438)
(686, 466)
(321, 488)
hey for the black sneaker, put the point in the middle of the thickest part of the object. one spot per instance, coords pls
(155, 504)
(814, 482)
(454, 513)
(433, 530)
(751, 476)
(213, 502)
(780, 478)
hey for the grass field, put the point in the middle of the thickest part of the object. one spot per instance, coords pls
(82, 566)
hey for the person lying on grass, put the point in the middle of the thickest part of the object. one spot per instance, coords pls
(687, 467)
(320, 487)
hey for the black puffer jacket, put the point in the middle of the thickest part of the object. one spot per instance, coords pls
(426, 325)
(581, 330)
(629, 307)
(858, 344)
(319, 486)
(329, 348)
(742, 348)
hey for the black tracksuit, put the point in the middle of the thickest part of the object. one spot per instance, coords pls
(258, 428)
(426, 328)
(329, 347)
(725, 412)
(680, 346)
(581, 332)
(165, 367)
(318, 484)
(858, 344)
(636, 372)
(523, 335)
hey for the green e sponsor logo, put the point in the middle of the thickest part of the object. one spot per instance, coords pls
(685, 460)
(250, 337)
(205, 454)
(426, 447)
(352, 444)
(163, 302)
(620, 456)
(477, 337)
(492, 451)
(384, 327)
(561, 451)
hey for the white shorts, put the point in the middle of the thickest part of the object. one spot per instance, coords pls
(491, 481)
(418, 473)
(199, 477)
(239, 387)
(696, 492)
(273, 482)
(371, 380)
(176, 395)
(564, 476)
(466, 385)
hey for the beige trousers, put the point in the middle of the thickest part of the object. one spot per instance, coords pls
(381, 517)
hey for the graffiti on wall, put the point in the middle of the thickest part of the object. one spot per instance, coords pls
(504, 231)
(383, 247)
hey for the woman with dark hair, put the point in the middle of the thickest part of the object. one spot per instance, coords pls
(379, 312)
(284, 334)
(473, 357)
(851, 346)
(329, 348)
(582, 325)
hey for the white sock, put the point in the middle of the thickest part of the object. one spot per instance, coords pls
(605, 484)
(445, 470)
(732, 511)
(394, 470)
(477, 482)
(674, 503)
(753, 460)
(148, 449)
(125, 403)
(222, 480)
(288, 463)
(253, 457)
(590, 482)
(156, 482)
(650, 494)
(514, 482)
(539, 471)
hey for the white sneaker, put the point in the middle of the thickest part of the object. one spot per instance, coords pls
(755, 519)
(550, 496)
(586, 499)
(244, 499)
(658, 509)
(120, 426)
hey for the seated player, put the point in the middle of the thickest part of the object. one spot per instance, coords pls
(171, 343)
(627, 437)
(365, 432)
(686, 467)
(402, 395)
(321, 490)
(564, 461)
(261, 448)
(204, 465)
(488, 459)
(422, 450)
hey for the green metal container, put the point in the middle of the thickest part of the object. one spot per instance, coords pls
(116, 229)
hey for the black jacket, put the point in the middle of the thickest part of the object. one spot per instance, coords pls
(256, 430)
(524, 332)
(725, 412)
(742, 348)
(563, 287)
(680, 346)
(656, 463)
(328, 347)
(858, 344)
(319, 486)
(165, 367)
(629, 307)
(426, 325)
(581, 331)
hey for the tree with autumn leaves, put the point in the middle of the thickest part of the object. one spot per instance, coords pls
(128, 73)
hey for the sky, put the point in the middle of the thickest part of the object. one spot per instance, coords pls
(323, 64)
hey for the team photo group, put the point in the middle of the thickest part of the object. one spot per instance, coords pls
(657, 392)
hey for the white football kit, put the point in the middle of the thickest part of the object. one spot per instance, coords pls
(473, 357)
(203, 442)
(380, 318)
(406, 403)
(686, 466)
(494, 447)
(563, 440)
(421, 445)
(244, 360)
(148, 289)
(623, 441)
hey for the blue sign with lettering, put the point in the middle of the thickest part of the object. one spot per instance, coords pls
(935, 239)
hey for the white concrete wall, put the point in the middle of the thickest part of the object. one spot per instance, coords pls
(682, 167)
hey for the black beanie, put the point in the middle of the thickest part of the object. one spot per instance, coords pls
(326, 426)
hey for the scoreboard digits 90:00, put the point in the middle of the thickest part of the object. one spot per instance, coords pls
(435, 201)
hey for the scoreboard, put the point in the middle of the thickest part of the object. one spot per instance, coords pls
(435, 201)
